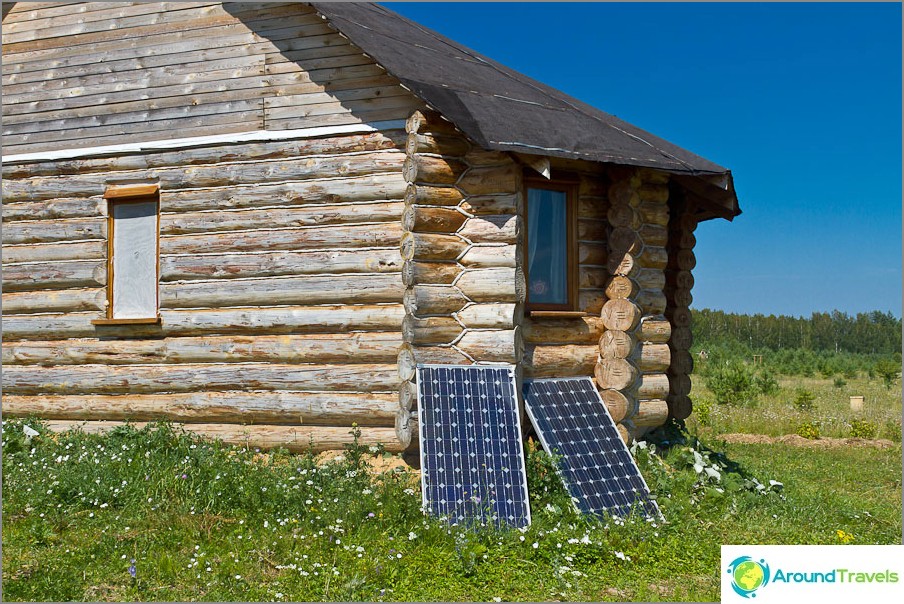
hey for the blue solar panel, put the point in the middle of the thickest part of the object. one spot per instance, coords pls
(472, 458)
(574, 425)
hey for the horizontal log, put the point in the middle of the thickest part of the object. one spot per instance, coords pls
(591, 301)
(491, 180)
(491, 315)
(594, 254)
(592, 207)
(432, 170)
(682, 362)
(652, 386)
(411, 356)
(328, 237)
(592, 230)
(275, 264)
(579, 330)
(55, 209)
(617, 404)
(619, 286)
(654, 234)
(682, 260)
(46, 231)
(61, 300)
(54, 275)
(615, 374)
(357, 347)
(424, 120)
(265, 407)
(679, 316)
(492, 229)
(654, 213)
(559, 361)
(617, 344)
(678, 296)
(430, 330)
(484, 157)
(308, 289)
(493, 284)
(295, 439)
(429, 273)
(682, 338)
(680, 406)
(679, 383)
(592, 277)
(483, 205)
(423, 300)
(227, 152)
(654, 329)
(421, 219)
(427, 195)
(654, 193)
(337, 189)
(491, 255)
(651, 301)
(629, 265)
(683, 239)
(214, 175)
(304, 319)
(272, 218)
(147, 379)
(454, 146)
(426, 246)
(624, 240)
(685, 222)
(650, 413)
(623, 216)
(621, 314)
(682, 279)
(493, 345)
(52, 252)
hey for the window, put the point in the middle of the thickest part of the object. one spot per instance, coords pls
(550, 246)
(132, 252)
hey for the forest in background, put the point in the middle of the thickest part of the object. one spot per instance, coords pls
(826, 344)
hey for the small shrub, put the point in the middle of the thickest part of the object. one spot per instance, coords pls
(889, 371)
(809, 430)
(861, 428)
(805, 400)
(893, 430)
(703, 411)
(766, 383)
(839, 382)
(733, 385)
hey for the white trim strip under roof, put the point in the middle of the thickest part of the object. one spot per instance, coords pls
(202, 141)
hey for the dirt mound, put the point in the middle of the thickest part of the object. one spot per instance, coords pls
(378, 463)
(799, 441)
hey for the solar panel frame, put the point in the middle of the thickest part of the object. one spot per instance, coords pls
(576, 492)
(521, 466)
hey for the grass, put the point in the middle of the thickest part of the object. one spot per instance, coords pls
(203, 521)
(776, 414)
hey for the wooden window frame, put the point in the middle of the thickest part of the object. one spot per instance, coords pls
(124, 194)
(568, 186)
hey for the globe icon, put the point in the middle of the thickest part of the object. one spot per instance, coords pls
(748, 575)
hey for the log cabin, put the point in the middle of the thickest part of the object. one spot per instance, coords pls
(256, 219)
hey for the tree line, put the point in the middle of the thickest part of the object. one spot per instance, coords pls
(873, 332)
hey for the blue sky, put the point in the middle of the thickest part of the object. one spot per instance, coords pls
(802, 101)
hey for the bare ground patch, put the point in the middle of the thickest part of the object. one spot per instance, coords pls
(799, 441)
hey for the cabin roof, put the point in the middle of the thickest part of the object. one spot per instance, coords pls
(501, 109)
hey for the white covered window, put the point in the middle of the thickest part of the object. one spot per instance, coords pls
(132, 250)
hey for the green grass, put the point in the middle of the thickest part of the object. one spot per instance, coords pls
(776, 414)
(204, 521)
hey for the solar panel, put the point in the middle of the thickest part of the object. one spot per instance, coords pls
(574, 425)
(472, 458)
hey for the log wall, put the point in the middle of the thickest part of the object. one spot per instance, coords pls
(99, 73)
(464, 296)
(280, 290)
(634, 351)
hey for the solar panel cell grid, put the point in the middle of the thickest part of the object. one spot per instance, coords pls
(573, 423)
(472, 458)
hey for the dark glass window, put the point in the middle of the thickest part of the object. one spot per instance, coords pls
(548, 249)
